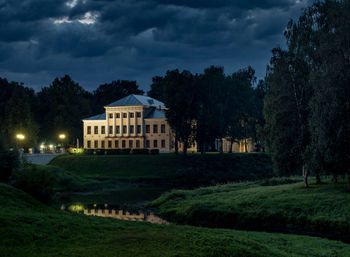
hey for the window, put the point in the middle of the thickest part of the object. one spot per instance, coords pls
(89, 130)
(102, 144)
(117, 115)
(125, 115)
(137, 143)
(138, 114)
(131, 129)
(138, 129)
(147, 143)
(117, 129)
(110, 129)
(123, 143)
(95, 144)
(124, 129)
(111, 116)
(88, 144)
(109, 144)
(131, 115)
(130, 143)
(155, 143)
(96, 130)
(103, 130)
(116, 144)
(162, 128)
(147, 128)
(163, 143)
(155, 128)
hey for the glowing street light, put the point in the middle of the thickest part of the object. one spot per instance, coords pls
(61, 136)
(20, 137)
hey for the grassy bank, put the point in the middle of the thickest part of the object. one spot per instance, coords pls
(168, 169)
(319, 210)
(28, 228)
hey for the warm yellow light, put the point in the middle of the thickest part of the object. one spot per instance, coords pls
(20, 136)
(62, 136)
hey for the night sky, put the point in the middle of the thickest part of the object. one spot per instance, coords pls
(97, 41)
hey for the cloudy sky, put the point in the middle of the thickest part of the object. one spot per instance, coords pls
(97, 41)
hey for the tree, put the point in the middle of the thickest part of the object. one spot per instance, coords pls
(179, 97)
(286, 112)
(111, 92)
(157, 89)
(62, 107)
(9, 161)
(16, 112)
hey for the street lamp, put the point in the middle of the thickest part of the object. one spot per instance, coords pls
(20, 137)
(62, 137)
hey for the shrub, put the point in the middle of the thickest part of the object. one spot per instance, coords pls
(9, 161)
(154, 151)
(38, 183)
(140, 151)
(89, 151)
(125, 151)
(99, 151)
(72, 150)
(113, 151)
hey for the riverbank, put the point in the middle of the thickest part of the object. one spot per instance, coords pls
(29, 228)
(321, 210)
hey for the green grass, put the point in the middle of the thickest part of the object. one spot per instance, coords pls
(28, 228)
(320, 209)
(169, 169)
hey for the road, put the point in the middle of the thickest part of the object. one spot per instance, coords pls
(40, 158)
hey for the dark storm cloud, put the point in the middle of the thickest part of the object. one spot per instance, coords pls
(98, 41)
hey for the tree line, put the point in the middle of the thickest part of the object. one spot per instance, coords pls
(307, 106)
(205, 108)
(57, 108)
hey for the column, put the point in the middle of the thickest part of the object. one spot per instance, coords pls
(142, 124)
(114, 124)
(135, 124)
(121, 124)
(106, 129)
(128, 123)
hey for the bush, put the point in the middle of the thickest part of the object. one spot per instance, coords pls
(89, 151)
(140, 151)
(73, 150)
(99, 151)
(154, 151)
(113, 151)
(125, 151)
(38, 183)
(9, 161)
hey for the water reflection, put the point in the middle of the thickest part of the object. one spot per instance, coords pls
(141, 215)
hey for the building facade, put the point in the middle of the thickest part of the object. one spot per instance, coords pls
(134, 122)
(137, 122)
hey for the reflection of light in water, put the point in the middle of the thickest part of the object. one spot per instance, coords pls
(117, 214)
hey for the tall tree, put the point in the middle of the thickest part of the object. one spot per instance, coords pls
(157, 90)
(62, 107)
(111, 92)
(286, 112)
(16, 113)
(180, 99)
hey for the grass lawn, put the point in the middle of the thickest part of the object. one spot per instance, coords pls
(168, 168)
(28, 228)
(320, 209)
